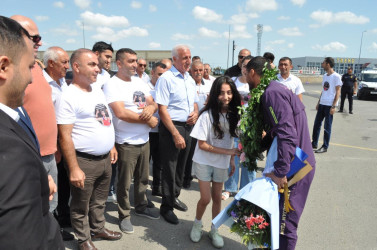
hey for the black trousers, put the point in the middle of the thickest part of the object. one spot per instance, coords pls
(173, 162)
(346, 91)
(155, 155)
(188, 177)
(63, 212)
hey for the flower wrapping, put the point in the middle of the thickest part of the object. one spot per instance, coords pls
(263, 193)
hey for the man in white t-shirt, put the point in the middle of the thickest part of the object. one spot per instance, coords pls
(86, 136)
(140, 70)
(133, 108)
(292, 82)
(331, 84)
(104, 52)
(207, 74)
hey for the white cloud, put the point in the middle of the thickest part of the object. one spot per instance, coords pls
(239, 31)
(240, 18)
(180, 36)
(253, 15)
(58, 4)
(71, 40)
(261, 5)
(328, 17)
(204, 32)
(136, 5)
(206, 15)
(108, 34)
(66, 31)
(294, 31)
(298, 2)
(291, 45)
(41, 18)
(152, 8)
(83, 4)
(276, 42)
(333, 46)
(97, 19)
(373, 47)
(373, 31)
(284, 18)
(154, 45)
(266, 28)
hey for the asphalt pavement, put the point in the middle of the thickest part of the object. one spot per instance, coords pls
(340, 210)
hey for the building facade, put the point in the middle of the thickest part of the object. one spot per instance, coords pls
(341, 64)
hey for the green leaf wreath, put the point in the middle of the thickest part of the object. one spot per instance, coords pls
(251, 123)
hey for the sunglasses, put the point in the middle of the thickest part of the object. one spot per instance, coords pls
(241, 57)
(36, 38)
(142, 65)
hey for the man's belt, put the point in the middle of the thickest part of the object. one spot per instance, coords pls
(92, 157)
(182, 124)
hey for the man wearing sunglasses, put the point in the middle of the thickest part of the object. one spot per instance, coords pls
(39, 105)
(235, 70)
(140, 70)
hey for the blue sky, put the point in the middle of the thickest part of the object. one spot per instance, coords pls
(292, 28)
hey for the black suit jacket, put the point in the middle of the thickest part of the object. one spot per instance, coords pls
(25, 220)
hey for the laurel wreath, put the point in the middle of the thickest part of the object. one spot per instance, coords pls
(251, 122)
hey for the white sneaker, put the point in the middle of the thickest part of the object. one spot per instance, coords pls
(217, 240)
(196, 231)
(112, 198)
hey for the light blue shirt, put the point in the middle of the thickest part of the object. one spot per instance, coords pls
(178, 93)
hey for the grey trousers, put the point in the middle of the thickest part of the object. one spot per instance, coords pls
(133, 162)
(88, 204)
(50, 165)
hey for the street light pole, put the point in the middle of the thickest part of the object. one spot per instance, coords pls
(361, 43)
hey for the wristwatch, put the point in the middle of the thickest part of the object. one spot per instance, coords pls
(332, 107)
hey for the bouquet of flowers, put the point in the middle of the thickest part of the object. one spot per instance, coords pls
(251, 222)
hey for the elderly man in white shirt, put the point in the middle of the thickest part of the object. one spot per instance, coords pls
(292, 82)
(56, 63)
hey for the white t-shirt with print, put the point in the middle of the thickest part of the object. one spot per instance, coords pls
(329, 83)
(102, 78)
(203, 91)
(203, 130)
(293, 83)
(133, 94)
(93, 130)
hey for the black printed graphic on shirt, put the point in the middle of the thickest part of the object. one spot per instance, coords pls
(326, 86)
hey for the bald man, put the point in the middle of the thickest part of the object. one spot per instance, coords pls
(37, 95)
(235, 70)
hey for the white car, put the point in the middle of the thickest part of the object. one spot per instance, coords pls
(367, 84)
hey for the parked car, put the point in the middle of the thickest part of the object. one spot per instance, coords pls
(367, 84)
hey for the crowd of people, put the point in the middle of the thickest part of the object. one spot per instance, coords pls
(83, 144)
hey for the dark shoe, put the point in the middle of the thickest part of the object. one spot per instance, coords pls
(150, 204)
(107, 235)
(170, 217)
(321, 150)
(149, 213)
(351, 112)
(67, 236)
(180, 205)
(314, 146)
(157, 192)
(340, 111)
(186, 184)
(87, 245)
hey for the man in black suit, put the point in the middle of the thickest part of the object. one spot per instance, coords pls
(25, 189)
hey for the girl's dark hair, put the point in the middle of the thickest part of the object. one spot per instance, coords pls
(213, 106)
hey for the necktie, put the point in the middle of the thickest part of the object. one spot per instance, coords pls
(26, 124)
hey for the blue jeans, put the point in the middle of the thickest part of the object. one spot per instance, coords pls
(322, 113)
(231, 185)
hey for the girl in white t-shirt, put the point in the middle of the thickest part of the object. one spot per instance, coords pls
(215, 131)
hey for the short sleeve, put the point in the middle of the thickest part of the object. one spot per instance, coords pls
(111, 91)
(162, 91)
(65, 113)
(300, 88)
(202, 127)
